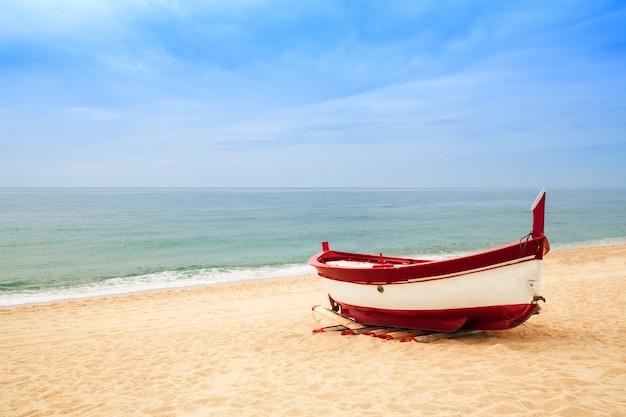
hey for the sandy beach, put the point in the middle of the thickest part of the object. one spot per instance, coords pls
(249, 350)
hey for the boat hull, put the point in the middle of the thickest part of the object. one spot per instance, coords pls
(494, 299)
(477, 318)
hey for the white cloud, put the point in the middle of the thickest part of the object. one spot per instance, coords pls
(95, 113)
(30, 19)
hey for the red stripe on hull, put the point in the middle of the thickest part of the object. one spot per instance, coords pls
(477, 318)
(396, 270)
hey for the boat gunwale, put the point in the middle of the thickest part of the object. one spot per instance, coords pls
(394, 270)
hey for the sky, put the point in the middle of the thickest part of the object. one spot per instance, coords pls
(312, 93)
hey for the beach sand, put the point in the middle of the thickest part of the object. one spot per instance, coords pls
(249, 350)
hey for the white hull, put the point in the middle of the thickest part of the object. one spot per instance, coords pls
(499, 285)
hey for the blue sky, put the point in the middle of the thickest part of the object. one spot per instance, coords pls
(313, 93)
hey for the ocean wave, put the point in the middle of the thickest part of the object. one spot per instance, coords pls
(590, 243)
(555, 246)
(163, 280)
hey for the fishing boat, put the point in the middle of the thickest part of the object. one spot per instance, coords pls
(495, 289)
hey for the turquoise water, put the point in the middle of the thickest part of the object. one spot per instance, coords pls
(68, 243)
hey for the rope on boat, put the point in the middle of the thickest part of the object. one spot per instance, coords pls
(545, 245)
(525, 239)
(316, 318)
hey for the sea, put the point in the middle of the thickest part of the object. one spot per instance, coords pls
(73, 243)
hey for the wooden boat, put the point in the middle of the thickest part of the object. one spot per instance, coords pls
(495, 289)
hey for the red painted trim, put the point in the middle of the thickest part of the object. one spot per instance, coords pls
(404, 269)
(477, 318)
(538, 209)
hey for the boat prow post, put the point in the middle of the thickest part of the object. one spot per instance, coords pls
(538, 209)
